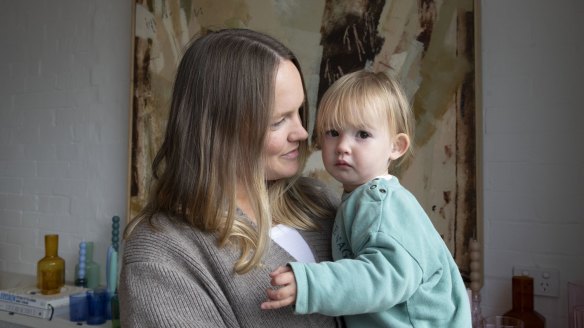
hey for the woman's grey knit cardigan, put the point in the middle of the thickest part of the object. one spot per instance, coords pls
(176, 276)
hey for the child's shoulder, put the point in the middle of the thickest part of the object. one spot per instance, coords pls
(379, 188)
(382, 187)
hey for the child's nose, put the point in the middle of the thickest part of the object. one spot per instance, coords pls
(343, 145)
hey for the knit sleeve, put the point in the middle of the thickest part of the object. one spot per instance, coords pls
(153, 295)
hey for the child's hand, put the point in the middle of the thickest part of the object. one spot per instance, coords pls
(285, 295)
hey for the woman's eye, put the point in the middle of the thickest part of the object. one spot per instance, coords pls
(363, 134)
(278, 123)
(332, 133)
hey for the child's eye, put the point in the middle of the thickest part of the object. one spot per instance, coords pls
(332, 133)
(363, 134)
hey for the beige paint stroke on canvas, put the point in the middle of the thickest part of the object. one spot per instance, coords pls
(431, 77)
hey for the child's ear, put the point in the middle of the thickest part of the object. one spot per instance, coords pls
(401, 143)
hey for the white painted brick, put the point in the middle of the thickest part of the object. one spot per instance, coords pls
(40, 84)
(17, 168)
(63, 44)
(44, 152)
(53, 99)
(501, 100)
(19, 267)
(31, 219)
(55, 169)
(113, 133)
(5, 100)
(10, 185)
(54, 204)
(11, 117)
(26, 135)
(529, 237)
(30, 254)
(5, 135)
(82, 170)
(86, 96)
(496, 298)
(42, 116)
(12, 50)
(57, 223)
(70, 187)
(70, 80)
(70, 116)
(54, 134)
(18, 202)
(83, 207)
(55, 62)
(12, 152)
(20, 235)
(98, 75)
(500, 262)
(528, 147)
(10, 218)
(86, 133)
(20, 70)
(69, 152)
(38, 186)
(9, 252)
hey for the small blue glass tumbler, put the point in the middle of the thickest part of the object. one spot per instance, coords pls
(97, 300)
(78, 307)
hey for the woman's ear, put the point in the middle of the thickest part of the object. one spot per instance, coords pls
(401, 143)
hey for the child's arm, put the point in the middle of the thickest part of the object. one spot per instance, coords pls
(368, 283)
(284, 296)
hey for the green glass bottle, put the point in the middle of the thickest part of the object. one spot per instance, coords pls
(91, 267)
(51, 268)
(115, 302)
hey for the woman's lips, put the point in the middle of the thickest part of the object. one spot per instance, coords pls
(292, 154)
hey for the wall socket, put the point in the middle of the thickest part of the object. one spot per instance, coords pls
(546, 282)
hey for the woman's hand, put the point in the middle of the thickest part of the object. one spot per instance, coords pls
(282, 277)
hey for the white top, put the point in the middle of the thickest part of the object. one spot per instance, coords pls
(292, 242)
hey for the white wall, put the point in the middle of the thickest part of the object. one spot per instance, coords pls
(64, 88)
(533, 146)
(64, 97)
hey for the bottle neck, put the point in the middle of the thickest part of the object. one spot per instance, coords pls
(522, 293)
(51, 245)
(89, 252)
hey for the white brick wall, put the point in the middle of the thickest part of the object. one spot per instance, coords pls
(64, 116)
(533, 146)
(64, 99)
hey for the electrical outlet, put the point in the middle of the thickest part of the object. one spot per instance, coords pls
(546, 282)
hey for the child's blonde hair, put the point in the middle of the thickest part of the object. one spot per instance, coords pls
(361, 97)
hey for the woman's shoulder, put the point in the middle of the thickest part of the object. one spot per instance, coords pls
(162, 238)
(157, 226)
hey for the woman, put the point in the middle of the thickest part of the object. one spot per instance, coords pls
(200, 253)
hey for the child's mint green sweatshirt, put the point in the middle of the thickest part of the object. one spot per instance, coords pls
(391, 269)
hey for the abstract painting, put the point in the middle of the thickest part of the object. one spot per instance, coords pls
(428, 45)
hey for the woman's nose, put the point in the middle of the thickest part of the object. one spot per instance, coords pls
(298, 132)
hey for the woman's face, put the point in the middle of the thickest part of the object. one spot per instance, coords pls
(285, 131)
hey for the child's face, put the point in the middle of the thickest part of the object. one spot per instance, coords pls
(355, 155)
